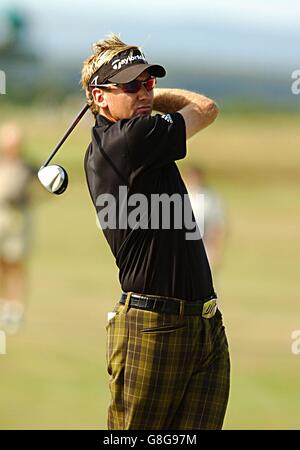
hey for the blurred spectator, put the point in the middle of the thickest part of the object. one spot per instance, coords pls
(14, 30)
(209, 214)
(15, 227)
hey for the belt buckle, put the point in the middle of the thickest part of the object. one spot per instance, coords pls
(209, 309)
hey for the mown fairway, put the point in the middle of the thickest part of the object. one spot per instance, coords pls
(54, 373)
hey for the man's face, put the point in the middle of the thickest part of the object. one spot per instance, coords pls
(116, 104)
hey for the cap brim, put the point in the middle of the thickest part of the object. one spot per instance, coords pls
(130, 73)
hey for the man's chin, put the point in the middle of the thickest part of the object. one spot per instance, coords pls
(143, 111)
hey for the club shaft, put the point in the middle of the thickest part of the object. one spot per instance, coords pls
(69, 130)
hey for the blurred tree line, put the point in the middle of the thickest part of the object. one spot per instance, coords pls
(31, 78)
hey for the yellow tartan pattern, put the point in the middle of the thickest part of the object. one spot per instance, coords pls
(166, 373)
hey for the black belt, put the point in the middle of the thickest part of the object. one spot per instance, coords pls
(165, 305)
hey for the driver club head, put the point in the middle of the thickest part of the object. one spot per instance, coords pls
(54, 178)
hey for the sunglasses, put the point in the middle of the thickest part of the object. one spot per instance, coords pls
(133, 86)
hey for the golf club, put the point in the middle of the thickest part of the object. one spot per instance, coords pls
(54, 178)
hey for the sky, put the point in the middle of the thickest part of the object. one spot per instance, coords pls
(249, 35)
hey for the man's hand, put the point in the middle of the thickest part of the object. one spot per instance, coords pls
(197, 110)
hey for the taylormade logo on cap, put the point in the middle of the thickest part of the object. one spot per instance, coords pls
(118, 63)
(128, 59)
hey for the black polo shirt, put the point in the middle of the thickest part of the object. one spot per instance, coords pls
(139, 155)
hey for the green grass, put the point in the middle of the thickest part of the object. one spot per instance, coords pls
(54, 373)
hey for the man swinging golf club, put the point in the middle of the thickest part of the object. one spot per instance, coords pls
(167, 352)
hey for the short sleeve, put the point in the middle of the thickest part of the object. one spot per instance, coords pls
(155, 140)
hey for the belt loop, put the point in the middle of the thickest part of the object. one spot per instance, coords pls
(180, 320)
(181, 311)
(127, 302)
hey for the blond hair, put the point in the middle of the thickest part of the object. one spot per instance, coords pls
(103, 52)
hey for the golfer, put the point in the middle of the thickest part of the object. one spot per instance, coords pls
(167, 352)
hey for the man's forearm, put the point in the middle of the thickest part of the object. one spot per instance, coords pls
(197, 110)
(172, 100)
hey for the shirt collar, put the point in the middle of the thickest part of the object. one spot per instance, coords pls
(102, 121)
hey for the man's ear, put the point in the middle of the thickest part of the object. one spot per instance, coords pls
(99, 97)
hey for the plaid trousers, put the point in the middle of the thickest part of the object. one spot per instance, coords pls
(166, 373)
